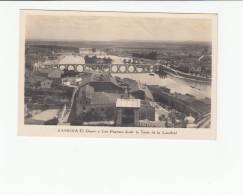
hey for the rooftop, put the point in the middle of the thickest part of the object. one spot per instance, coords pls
(137, 86)
(99, 77)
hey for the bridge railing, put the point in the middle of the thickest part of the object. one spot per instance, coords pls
(112, 68)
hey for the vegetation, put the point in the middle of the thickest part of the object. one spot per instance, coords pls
(152, 55)
(161, 72)
(96, 60)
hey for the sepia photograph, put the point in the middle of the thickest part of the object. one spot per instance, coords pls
(117, 73)
(121, 98)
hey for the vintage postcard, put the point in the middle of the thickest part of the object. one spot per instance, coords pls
(117, 74)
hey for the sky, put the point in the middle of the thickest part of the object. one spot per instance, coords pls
(113, 28)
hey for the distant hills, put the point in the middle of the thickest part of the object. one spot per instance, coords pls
(118, 44)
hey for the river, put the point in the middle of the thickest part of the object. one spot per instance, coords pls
(197, 89)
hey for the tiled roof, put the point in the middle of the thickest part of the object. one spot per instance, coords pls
(99, 77)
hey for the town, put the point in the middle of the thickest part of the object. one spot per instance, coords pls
(97, 85)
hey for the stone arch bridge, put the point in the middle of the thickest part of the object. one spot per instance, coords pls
(111, 68)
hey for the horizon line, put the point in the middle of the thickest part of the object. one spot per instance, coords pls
(118, 40)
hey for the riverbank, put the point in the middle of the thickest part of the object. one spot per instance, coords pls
(183, 75)
(197, 89)
(184, 103)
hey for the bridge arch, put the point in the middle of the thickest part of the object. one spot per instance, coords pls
(131, 68)
(114, 68)
(106, 68)
(139, 69)
(123, 68)
(62, 67)
(71, 67)
(80, 68)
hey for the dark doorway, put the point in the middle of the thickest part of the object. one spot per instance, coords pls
(128, 117)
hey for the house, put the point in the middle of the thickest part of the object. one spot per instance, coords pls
(46, 83)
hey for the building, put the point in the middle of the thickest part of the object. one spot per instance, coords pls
(146, 111)
(138, 90)
(46, 84)
(71, 81)
(103, 83)
(91, 106)
(190, 122)
(102, 99)
(95, 99)
(159, 111)
(127, 112)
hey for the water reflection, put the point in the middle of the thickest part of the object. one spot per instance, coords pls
(197, 89)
